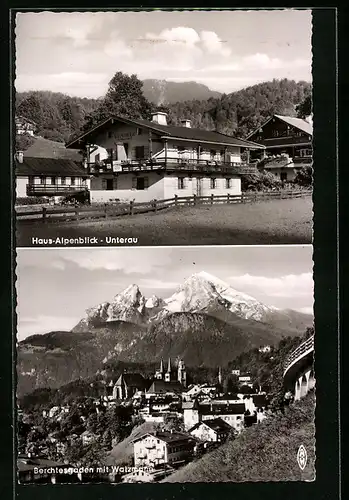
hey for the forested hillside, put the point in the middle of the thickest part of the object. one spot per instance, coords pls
(58, 116)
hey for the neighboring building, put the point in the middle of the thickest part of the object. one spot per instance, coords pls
(235, 372)
(145, 160)
(215, 430)
(265, 348)
(231, 413)
(163, 447)
(161, 388)
(88, 438)
(49, 177)
(288, 144)
(128, 384)
(245, 380)
(45, 148)
(24, 126)
(28, 471)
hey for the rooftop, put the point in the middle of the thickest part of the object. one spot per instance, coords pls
(48, 166)
(45, 148)
(186, 133)
(160, 386)
(168, 437)
(216, 424)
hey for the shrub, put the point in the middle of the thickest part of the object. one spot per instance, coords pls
(32, 200)
(260, 181)
(304, 177)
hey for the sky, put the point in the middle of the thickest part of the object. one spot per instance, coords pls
(78, 53)
(56, 286)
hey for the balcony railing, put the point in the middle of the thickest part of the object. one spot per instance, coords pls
(53, 189)
(174, 164)
(306, 347)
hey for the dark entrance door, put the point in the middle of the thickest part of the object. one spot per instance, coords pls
(140, 183)
(110, 184)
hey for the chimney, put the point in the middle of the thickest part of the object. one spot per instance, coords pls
(186, 123)
(159, 117)
(20, 156)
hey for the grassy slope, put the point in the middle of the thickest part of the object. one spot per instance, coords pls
(266, 222)
(266, 452)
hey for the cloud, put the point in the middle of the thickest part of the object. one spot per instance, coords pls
(135, 260)
(159, 284)
(290, 285)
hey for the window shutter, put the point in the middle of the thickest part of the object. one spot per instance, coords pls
(146, 182)
(115, 183)
(185, 183)
(134, 182)
(104, 184)
(179, 183)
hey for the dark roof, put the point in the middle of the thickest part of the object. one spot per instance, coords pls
(216, 424)
(188, 133)
(48, 166)
(45, 148)
(134, 380)
(160, 386)
(231, 409)
(298, 123)
(169, 437)
(259, 400)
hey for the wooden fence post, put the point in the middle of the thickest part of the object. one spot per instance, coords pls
(155, 206)
(76, 211)
(131, 207)
(228, 198)
(105, 210)
(44, 215)
(242, 198)
(212, 198)
(176, 200)
(194, 198)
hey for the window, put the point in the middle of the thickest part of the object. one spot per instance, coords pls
(140, 183)
(228, 183)
(139, 151)
(275, 133)
(42, 179)
(63, 179)
(139, 131)
(213, 154)
(72, 182)
(98, 158)
(213, 183)
(109, 184)
(181, 183)
(53, 180)
(283, 176)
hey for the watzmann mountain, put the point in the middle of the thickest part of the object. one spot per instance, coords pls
(205, 322)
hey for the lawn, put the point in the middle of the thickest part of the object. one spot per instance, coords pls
(287, 221)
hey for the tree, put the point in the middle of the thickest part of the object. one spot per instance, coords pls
(124, 98)
(23, 142)
(231, 384)
(304, 177)
(304, 109)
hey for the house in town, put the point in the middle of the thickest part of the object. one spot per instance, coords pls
(215, 430)
(288, 145)
(142, 160)
(128, 384)
(232, 413)
(163, 447)
(88, 437)
(25, 126)
(49, 177)
(245, 380)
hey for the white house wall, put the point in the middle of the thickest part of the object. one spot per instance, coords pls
(124, 190)
(201, 187)
(21, 187)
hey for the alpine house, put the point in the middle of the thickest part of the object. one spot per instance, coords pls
(141, 160)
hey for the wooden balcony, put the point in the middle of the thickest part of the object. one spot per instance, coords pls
(175, 165)
(54, 190)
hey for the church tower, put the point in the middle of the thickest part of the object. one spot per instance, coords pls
(159, 374)
(220, 375)
(169, 371)
(181, 373)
